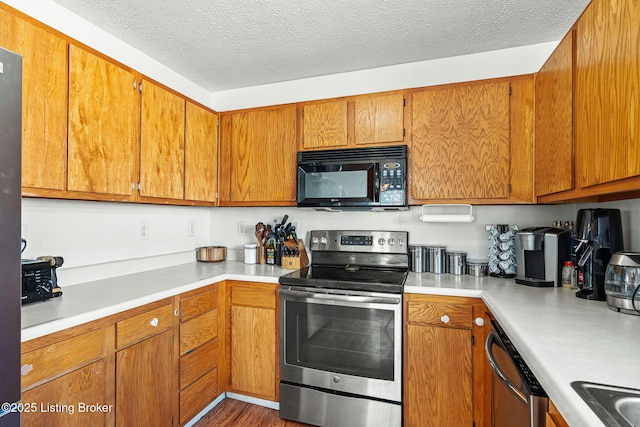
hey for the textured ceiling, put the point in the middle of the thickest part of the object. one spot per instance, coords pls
(239, 43)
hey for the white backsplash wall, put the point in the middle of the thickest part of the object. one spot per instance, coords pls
(94, 238)
(470, 237)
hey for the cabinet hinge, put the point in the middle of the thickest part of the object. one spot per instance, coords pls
(473, 340)
(510, 189)
(404, 102)
(510, 90)
(302, 112)
(217, 195)
(404, 132)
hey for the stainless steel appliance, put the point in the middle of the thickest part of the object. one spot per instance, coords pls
(540, 255)
(341, 331)
(355, 178)
(622, 282)
(598, 234)
(517, 399)
(10, 180)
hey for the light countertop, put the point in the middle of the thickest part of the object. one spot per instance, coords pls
(562, 338)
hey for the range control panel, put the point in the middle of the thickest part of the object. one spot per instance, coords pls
(360, 241)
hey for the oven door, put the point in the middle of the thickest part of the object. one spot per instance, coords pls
(338, 184)
(342, 341)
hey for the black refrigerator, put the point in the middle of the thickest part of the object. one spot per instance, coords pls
(10, 218)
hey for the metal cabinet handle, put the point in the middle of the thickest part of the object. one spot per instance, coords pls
(491, 339)
(154, 322)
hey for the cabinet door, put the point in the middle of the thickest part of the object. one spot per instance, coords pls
(253, 350)
(379, 119)
(325, 125)
(554, 121)
(607, 88)
(44, 101)
(102, 125)
(161, 143)
(146, 382)
(460, 146)
(60, 402)
(259, 157)
(201, 154)
(438, 377)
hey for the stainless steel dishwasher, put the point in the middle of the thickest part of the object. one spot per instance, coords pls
(517, 399)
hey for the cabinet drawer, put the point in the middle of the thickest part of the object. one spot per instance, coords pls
(195, 364)
(143, 325)
(197, 331)
(196, 305)
(197, 396)
(59, 358)
(438, 314)
(253, 296)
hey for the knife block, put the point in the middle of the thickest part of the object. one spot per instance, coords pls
(296, 262)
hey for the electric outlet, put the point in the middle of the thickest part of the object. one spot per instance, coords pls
(191, 229)
(143, 231)
(242, 228)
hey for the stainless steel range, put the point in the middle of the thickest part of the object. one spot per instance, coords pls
(341, 331)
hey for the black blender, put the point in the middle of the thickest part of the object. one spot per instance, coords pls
(597, 234)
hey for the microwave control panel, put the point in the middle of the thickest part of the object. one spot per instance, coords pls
(392, 184)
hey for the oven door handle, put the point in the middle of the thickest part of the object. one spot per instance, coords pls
(491, 339)
(338, 297)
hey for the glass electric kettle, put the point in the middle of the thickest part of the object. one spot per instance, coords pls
(622, 282)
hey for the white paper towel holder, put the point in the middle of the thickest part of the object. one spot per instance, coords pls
(447, 213)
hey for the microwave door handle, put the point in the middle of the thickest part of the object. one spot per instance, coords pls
(491, 339)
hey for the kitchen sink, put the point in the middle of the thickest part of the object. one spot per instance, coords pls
(616, 406)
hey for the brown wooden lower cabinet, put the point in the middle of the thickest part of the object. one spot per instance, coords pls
(444, 362)
(145, 382)
(553, 417)
(74, 399)
(252, 339)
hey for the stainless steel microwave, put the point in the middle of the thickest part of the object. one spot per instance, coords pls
(354, 178)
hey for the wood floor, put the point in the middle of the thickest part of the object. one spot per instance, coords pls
(234, 413)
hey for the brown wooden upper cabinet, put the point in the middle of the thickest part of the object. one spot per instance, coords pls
(473, 142)
(201, 154)
(258, 157)
(44, 101)
(324, 125)
(379, 119)
(460, 146)
(103, 117)
(554, 121)
(161, 142)
(353, 121)
(607, 89)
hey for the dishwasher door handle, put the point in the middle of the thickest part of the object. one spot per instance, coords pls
(491, 339)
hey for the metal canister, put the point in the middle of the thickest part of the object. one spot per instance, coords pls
(437, 259)
(456, 262)
(478, 268)
(418, 258)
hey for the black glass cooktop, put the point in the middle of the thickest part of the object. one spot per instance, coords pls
(360, 278)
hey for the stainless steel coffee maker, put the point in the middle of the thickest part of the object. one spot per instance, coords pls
(597, 234)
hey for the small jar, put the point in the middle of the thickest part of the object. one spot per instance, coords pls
(250, 253)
